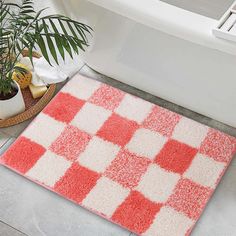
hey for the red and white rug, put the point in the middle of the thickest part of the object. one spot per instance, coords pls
(138, 165)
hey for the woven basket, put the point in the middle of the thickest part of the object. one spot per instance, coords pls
(33, 106)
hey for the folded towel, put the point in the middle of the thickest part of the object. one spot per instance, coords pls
(36, 80)
(48, 74)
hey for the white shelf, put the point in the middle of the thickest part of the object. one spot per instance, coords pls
(226, 27)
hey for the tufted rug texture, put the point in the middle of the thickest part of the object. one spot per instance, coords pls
(136, 164)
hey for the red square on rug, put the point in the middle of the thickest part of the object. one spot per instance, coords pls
(61, 107)
(76, 182)
(23, 155)
(118, 130)
(176, 156)
(136, 213)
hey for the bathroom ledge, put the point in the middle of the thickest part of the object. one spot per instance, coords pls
(171, 20)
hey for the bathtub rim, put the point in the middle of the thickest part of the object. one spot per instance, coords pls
(188, 25)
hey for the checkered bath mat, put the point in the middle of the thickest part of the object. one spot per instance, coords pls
(138, 165)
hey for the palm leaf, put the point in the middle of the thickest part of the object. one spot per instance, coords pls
(50, 42)
(23, 28)
(57, 39)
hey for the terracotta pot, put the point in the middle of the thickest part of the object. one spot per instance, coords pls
(12, 106)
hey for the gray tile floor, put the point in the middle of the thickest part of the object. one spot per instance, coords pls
(28, 209)
(7, 230)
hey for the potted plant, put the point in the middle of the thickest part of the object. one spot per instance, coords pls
(21, 27)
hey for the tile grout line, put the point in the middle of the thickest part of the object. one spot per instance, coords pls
(6, 145)
(4, 142)
(13, 227)
(82, 67)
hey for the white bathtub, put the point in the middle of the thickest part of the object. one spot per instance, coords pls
(164, 50)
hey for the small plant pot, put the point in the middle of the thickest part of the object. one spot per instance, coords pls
(12, 106)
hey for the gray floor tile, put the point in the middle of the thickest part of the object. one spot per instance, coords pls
(233, 163)
(3, 138)
(6, 230)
